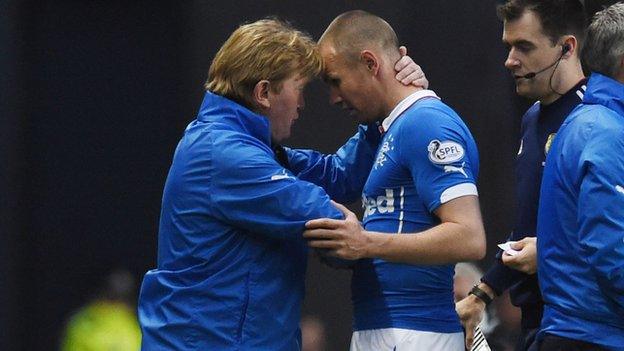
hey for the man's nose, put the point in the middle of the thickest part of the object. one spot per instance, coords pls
(512, 62)
(301, 103)
(334, 97)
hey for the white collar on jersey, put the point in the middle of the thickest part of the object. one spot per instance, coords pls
(404, 105)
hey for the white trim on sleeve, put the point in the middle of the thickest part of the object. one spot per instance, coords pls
(458, 190)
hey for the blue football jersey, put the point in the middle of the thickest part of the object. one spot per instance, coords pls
(427, 157)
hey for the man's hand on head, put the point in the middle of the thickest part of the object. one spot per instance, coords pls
(409, 72)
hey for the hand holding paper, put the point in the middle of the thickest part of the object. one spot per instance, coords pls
(506, 247)
(521, 255)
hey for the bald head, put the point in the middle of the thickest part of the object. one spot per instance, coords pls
(358, 30)
(359, 51)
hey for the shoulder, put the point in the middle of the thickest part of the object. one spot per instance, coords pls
(236, 150)
(236, 141)
(595, 119)
(594, 130)
(431, 117)
(530, 116)
(532, 113)
(434, 131)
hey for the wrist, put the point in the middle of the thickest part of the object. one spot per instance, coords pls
(481, 294)
(368, 248)
(475, 301)
(488, 290)
(374, 243)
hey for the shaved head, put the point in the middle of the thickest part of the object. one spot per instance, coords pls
(359, 51)
(358, 30)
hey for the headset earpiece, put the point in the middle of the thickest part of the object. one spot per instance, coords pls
(565, 49)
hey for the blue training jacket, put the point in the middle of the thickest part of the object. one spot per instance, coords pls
(580, 229)
(231, 257)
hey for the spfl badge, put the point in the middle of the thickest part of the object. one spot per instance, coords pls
(445, 152)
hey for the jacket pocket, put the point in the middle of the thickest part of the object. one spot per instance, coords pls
(241, 322)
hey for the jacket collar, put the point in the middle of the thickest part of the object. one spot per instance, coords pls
(605, 91)
(218, 109)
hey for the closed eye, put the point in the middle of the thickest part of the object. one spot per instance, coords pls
(523, 46)
(330, 80)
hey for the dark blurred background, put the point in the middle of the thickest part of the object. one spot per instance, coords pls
(94, 96)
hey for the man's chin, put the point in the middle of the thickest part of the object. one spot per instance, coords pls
(353, 113)
(360, 119)
(367, 119)
(523, 90)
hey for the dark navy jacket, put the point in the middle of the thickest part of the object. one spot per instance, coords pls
(539, 126)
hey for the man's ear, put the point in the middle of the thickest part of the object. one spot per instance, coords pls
(370, 60)
(569, 47)
(260, 94)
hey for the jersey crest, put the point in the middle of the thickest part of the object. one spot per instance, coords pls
(549, 141)
(385, 147)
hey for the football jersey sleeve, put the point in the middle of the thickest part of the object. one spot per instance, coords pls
(440, 153)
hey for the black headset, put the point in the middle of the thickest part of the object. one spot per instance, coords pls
(564, 50)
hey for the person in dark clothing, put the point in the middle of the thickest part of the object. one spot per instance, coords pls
(544, 40)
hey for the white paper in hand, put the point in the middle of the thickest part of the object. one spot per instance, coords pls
(479, 343)
(506, 247)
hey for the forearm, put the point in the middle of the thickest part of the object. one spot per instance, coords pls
(445, 243)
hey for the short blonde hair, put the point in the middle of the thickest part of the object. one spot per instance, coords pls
(268, 49)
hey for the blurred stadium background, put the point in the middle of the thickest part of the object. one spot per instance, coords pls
(94, 96)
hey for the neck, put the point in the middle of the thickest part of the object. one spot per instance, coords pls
(570, 73)
(395, 93)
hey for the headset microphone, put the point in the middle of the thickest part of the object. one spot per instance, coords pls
(531, 75)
